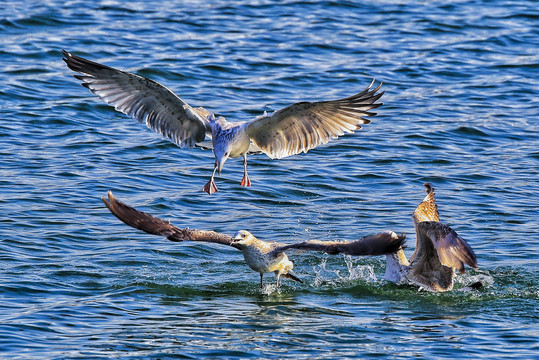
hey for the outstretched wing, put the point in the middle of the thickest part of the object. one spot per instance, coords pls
(305, 125)
(144, 100)
(155, 226)
(452, 250)
(377, 244)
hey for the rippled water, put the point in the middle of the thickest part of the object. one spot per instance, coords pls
(460, 111)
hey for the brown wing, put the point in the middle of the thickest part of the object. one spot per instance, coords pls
(452, 250)
(305, 125)
(144, 100)
(377, 244)
(155, 226)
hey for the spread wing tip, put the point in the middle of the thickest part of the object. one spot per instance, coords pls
(141, 220)
(111, 199)
(466, 254)
(386, 242)
(453, 251)
(156, 226)
(66, 54)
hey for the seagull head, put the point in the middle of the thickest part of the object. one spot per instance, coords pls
(221, 150)
(243, 237)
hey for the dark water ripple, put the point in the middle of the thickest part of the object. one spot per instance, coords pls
(460, 111)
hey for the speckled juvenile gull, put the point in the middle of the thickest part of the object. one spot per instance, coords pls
(260, 256)
(439, 251)
(294, 129)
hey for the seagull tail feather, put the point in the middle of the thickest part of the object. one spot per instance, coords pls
(291, 275)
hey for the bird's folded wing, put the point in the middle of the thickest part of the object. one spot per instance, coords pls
(452, 250)
(155, 226)
(144, 100)
(378, 244)
(305, 125)
(427, 210)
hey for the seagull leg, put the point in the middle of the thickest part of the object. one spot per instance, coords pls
(261, 285)
(210, 186)
(277, 281)
(245, 181)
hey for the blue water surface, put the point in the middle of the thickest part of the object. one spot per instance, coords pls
(460, 111)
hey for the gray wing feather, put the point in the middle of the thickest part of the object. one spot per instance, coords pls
(452, 250)
(305, 125)
(155, 226)
(144, 100)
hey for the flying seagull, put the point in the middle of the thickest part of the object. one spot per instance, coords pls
(260, 256)
(439, 251)
(291, 130)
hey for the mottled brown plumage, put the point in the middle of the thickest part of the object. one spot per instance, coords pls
(155, 226)
(439, 251)
(261, 256)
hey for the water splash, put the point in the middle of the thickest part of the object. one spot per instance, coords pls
(474, 282)
(334, 277)
(270, 289)
(362, 272)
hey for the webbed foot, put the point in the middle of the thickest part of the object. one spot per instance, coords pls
(245, 181)
(210, 187)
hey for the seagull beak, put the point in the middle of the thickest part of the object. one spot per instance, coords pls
(236, 242)
(236, 238)
(219, 167)
(220, 163)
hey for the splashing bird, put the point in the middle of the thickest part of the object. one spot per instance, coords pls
(261, 256)
(291, 130)
(439, 251)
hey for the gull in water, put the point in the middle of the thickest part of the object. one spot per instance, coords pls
(439, 252)
(291, 130)
(261, 256)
